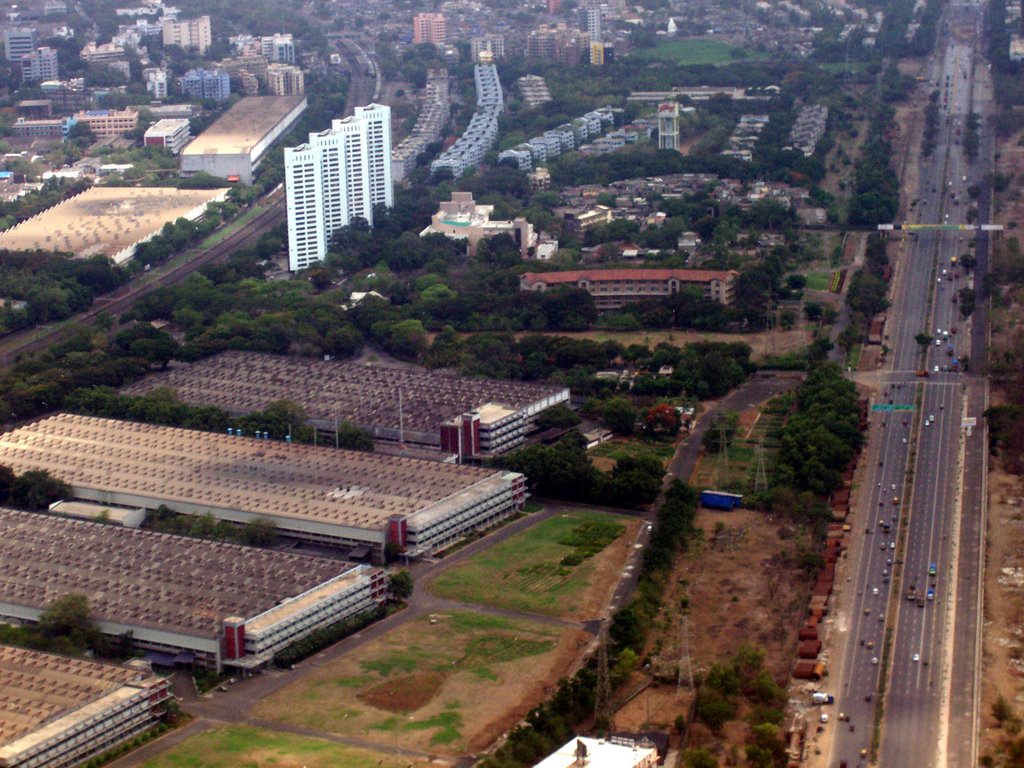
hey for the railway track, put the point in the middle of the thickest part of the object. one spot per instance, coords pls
(36, 339)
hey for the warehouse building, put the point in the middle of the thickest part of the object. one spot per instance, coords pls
(186, 601)
(342, 498)
(405, 405)
(234, 145)
(58, 711)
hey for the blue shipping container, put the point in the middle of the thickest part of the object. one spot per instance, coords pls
(720, 499)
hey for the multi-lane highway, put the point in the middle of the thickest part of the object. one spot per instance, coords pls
(920, 532)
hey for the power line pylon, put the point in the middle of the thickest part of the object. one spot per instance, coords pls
(603, 693)
(760, 476)
(685, 665)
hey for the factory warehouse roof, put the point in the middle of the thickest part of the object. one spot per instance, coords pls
(141, 578)
(145, 465)
(365, 395)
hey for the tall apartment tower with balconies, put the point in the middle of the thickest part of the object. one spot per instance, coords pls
(668, 126)
(429, 28)
(339, 175)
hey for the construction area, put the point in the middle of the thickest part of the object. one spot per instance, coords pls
(59, 711)
(338, 497)
(108, 221)
(186, 601)
(405, 405)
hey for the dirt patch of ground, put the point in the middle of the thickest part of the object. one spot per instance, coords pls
(404, 694)
(654, 708)
(1010, 160)
(775, 342)
(1003, 636)
(494, 671)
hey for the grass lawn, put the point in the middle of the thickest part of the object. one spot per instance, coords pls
(240, 746)
(530, 571)
(696, 51)
(819, 281)
(618, 448)
(440, 683)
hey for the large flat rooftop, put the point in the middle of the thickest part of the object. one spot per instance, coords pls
(146, 465)
(39, 688)
(366, 395)
(146, 579)
(105, 220)
(243, 126)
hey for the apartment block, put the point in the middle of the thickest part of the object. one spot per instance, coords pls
(19, 43)
(429, 28)
(206, 84)
(109, 122)
(487, 49)
(285, 80)
(189, 33)
(340, 174)
(40, 65)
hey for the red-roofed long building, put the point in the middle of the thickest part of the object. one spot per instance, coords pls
(614, 288)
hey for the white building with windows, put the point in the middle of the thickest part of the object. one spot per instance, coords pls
(339, 174)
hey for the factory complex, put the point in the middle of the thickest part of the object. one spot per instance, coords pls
(234, 145)
(184, 600)
(343, 498)
(427, 408)
(58, 711)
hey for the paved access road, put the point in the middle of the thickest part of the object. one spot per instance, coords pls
(914, 476)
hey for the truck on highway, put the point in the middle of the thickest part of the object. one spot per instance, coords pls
(911, 592)
(822, 698)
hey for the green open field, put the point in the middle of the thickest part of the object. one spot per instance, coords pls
(818, 281)
(240, 746)
(662, 450)
(539, 570)
(696, 51)
(447, 683)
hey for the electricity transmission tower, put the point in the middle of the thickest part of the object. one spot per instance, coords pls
(723, 450)
(603, 694)
(685, 665)
(761, 476)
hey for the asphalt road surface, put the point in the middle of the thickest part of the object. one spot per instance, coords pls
(914, 477)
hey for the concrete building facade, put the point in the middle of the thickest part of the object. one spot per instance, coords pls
(172, 134)
(19, 43)
(39, 66)
(285, 80)
(188, 33)
(213, 84)
(338, 175)
(186, 601)
(429, 28)
(613, 289)
(233, 147)
(462, 219)
(109, 122)
(668, 126)
(58, 711)
(469, 149)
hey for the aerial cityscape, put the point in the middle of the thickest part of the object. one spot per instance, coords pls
(543, 384)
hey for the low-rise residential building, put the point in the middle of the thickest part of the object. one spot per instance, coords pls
(462, 219)
(171, 134)
(613, 289)
(431, 121)
(156, 82)
(575, 223)
(808, 128)
(101, 54)
(469, 150)
(67, 95)
(533, 90)
(109, 122)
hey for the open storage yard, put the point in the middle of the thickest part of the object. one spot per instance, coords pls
(240, 745)
(562, 566)
(448, 683)
(107, 220)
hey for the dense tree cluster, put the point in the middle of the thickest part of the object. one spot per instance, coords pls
(65, 626)
(820, 439)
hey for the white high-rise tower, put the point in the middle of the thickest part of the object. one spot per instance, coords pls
(340, 174)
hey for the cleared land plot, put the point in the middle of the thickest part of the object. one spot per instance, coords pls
(105, 220)
(240, 745)
(448, 684)
(686, 52)
(738, 471)
(619, 448)
(818, 281)
(534, 570)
